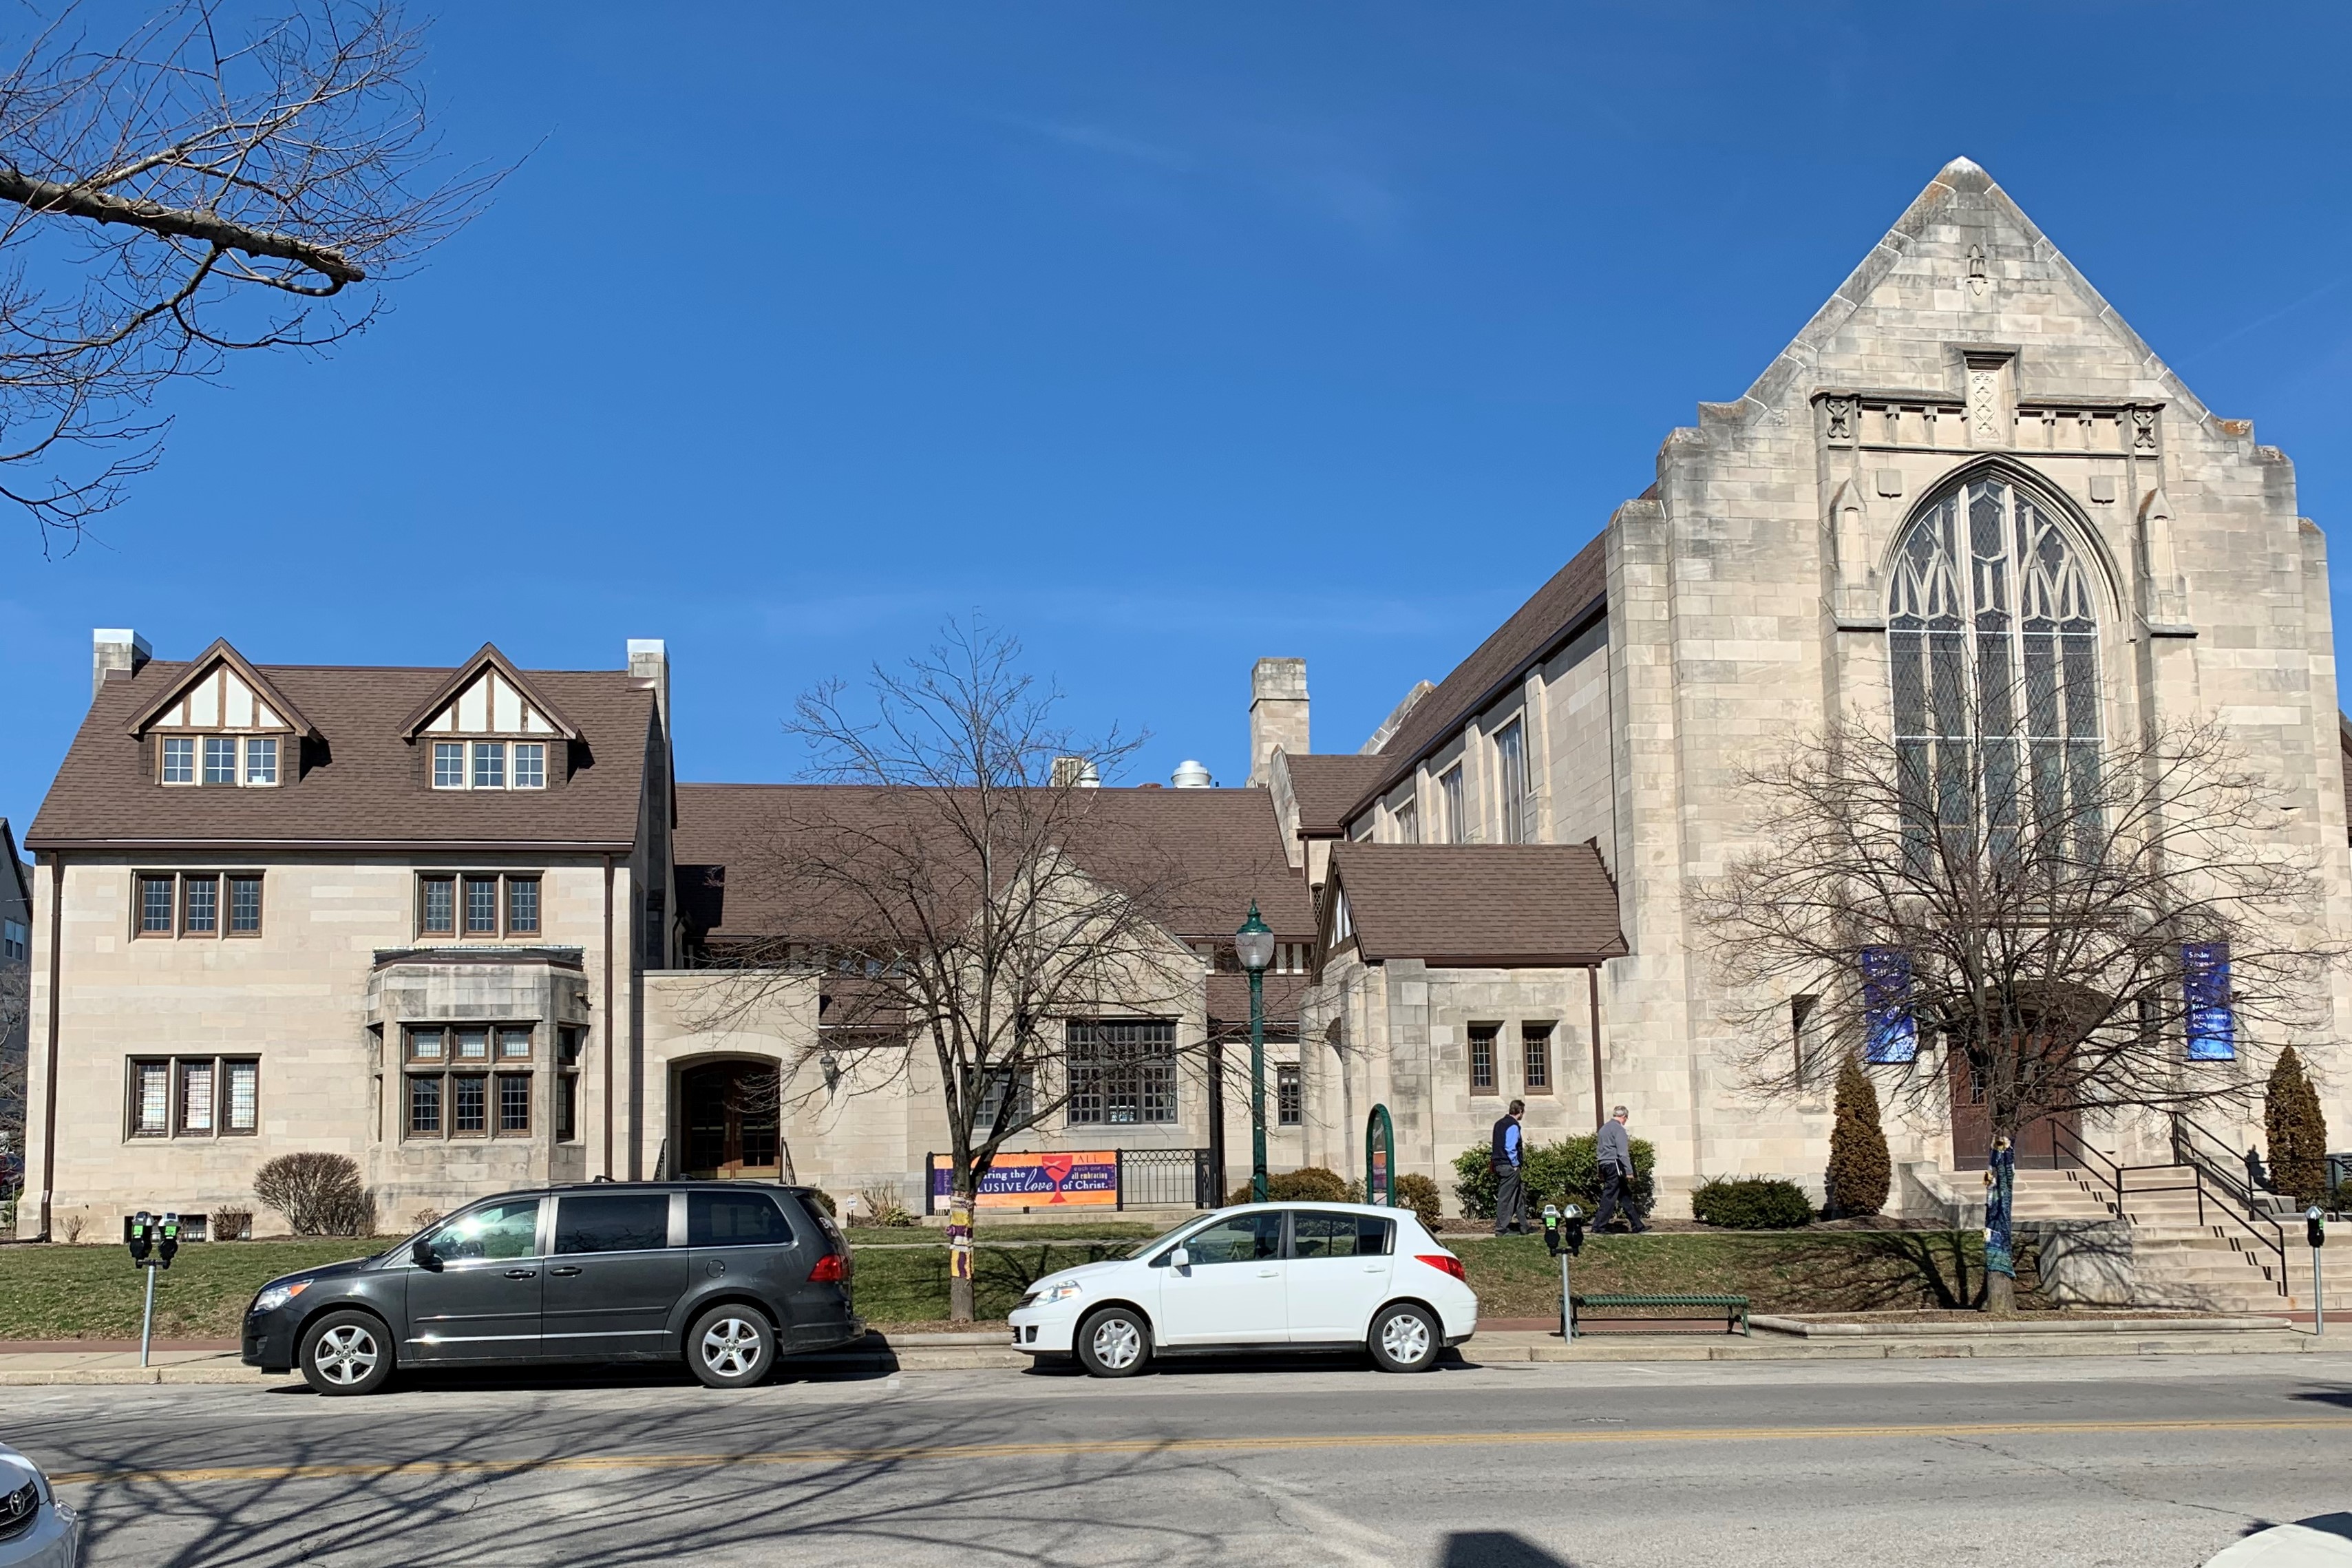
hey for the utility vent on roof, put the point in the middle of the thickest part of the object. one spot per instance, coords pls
(1075, 773)
(1189, 774)
(490, 706)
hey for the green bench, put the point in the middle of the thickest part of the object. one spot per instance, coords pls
(1733, 1308)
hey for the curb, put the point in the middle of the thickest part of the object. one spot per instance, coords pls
(1808, 1328)
(912, 1354)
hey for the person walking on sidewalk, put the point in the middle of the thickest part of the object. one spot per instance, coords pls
(1615, 1153)
(1507, 1156)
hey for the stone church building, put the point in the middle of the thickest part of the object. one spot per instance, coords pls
(460, 923)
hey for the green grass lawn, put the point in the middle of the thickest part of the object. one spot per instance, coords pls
(1779, 1271)
(57, 1292)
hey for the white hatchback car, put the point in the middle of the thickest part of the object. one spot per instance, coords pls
(1259, 1276)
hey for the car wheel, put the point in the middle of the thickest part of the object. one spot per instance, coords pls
(1115, 1342)
(346, 1353)
(731, 1347)
(1405, 1338)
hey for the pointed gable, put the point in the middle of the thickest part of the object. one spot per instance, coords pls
(487, 697)
(220, 691)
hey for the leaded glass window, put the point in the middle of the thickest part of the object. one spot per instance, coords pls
(1122, 1072)
(1992, 634)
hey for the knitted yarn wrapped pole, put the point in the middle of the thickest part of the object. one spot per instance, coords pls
(2001, 1260)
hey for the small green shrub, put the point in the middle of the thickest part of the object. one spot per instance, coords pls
(1562, 1172)
(1751, 1203)
(1308, 1184)
(1419, 1193)
(824, 1201)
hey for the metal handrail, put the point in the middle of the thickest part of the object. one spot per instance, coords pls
(2113, 1172)
(2237, 1199)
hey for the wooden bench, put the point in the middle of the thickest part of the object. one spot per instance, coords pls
(1733, 1308)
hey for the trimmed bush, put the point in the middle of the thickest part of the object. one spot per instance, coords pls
(319, 1194)
(1562, 1172)
(2296, 1132)
(232, 1224)
(824, 1201)
(1860, 1173)
(1308, 1184)
(1751, 1203)
(1419, 1193)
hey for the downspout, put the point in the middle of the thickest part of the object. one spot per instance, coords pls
(49, 1071)
(608, 1016)
(1592, 992)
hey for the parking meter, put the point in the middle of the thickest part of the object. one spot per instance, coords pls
(2315, 1230)
(1572, 1222)
(142, 1238)
(168, 1246)
(1551, 1228)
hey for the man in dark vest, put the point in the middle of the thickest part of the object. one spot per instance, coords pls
(1509, 1154)
(1614, 1153)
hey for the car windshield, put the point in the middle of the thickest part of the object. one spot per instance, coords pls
(1157, 1242)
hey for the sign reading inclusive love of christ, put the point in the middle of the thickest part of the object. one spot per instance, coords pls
(1088, 1178)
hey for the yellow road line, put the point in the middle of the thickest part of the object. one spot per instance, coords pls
(917, 1453)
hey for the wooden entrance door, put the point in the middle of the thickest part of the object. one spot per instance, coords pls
(2045, 1144)
(729, 1119)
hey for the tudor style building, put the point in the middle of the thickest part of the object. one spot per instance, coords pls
(460, 923)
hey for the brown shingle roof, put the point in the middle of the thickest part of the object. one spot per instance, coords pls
(1536, 629)
(1222, 845)
(1326, 786)
(1479, 905)
(360, 783)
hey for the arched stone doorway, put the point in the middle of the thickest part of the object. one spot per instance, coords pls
(728, 1121)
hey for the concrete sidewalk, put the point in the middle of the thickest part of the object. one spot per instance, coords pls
(53, 1364)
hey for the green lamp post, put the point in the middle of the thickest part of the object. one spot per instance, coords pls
(1255, 944)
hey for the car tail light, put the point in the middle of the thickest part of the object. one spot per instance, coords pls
(1444, 1263)
(828, 1270)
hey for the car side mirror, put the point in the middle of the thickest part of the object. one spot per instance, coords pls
(420, 1252)
(1179, 1258)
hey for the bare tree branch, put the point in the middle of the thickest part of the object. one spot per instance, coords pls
(206, 184)
(960, 889)
(2021, 917)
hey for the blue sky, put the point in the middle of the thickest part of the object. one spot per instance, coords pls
(1166, 336)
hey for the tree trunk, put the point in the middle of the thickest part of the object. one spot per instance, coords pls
(961, 1208)
(2000, 1295)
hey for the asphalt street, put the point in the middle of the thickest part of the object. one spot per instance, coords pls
(2139, 1460)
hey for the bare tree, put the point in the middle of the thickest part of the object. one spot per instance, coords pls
(15, 1017)
(2045, 928)
(964, 886)
(199, 182)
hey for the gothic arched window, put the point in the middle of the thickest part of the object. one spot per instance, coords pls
(1992, 631)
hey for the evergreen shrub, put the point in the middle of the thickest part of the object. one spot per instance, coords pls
(2296, 1132)
(1859, 1172)
(1751, 1203)
(1308, 1184)
(1563, 1172)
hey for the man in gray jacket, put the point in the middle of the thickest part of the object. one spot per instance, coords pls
(1615, 1151)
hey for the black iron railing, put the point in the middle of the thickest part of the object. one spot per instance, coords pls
(1166, 1178)
(2231, 1195)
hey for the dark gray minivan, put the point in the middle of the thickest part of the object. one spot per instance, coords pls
(725, 1275)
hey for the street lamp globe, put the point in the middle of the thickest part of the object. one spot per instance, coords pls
(1254, 943)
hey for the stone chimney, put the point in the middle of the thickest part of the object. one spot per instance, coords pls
(649, 666)
(112, 650)
(1277, 712)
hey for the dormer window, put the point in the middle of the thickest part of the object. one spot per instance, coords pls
(489, 727)
(490, 764)
(222, 724)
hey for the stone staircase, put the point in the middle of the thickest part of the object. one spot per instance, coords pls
(2157, 1253)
